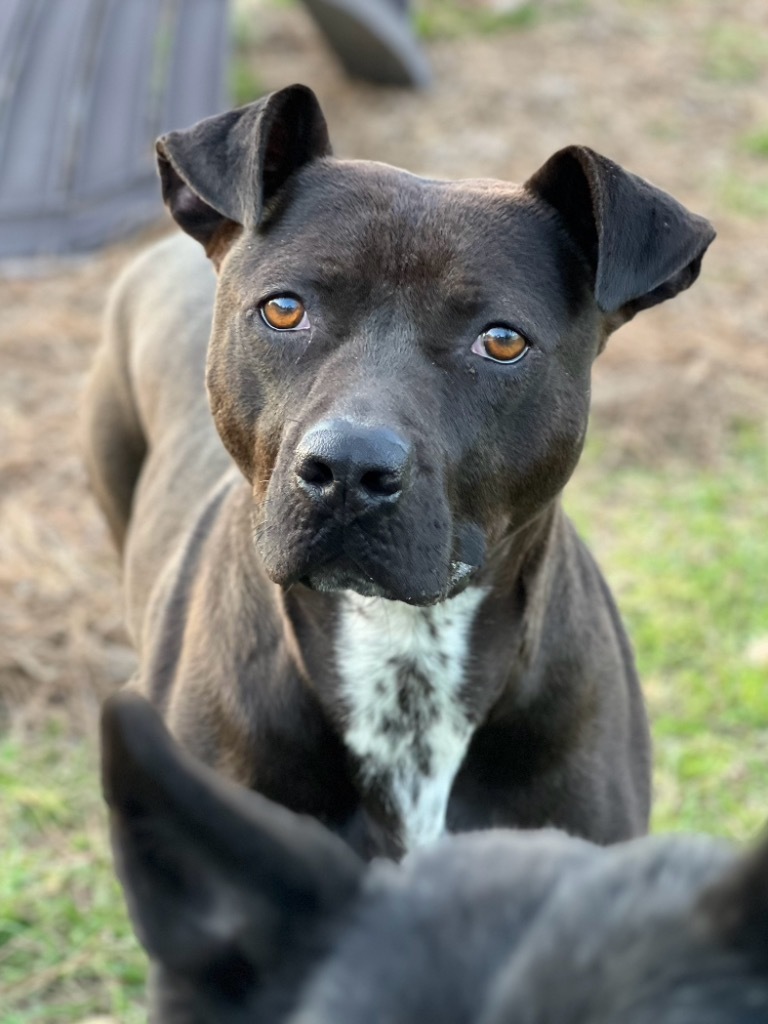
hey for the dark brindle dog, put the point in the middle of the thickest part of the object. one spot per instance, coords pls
(367, 602)
(251, 914)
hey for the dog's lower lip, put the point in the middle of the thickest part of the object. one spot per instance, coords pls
(334, 582)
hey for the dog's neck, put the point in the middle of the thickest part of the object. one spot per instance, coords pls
(402, 671)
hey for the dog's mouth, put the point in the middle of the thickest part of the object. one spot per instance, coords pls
(331, 579)
(340, 576)
(417, 552)
(334, 559)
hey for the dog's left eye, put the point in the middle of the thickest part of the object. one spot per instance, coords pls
(500, 343)
(284, 313)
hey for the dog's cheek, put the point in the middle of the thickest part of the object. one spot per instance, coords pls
(511, 481)
(237, 397)
(234, 419)
(281, 549)
(483, 511)
(265, 454)
(280, 532)
(542, 471)
(285, 527)
(556, 419)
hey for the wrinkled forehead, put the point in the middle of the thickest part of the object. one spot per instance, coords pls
(386, 229)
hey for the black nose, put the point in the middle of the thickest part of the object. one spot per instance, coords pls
(342, 463)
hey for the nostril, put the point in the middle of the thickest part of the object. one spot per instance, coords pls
(382, 483)
(315, 472)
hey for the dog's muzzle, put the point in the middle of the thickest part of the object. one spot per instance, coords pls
(358, 506)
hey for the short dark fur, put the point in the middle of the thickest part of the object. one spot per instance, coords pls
(233, 578)
(251, 914)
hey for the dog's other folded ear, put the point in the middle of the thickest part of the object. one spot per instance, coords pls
(213, 873)
(736, 907)
(642, 246)
(225, 170)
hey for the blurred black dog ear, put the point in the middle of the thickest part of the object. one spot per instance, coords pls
(224, 170)
(736, 908)
(211, 871)
(642, 246)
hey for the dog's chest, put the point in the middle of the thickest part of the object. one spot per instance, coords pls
(402, 670)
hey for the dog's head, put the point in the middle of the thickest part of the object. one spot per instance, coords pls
(401, 366)
(253, 914)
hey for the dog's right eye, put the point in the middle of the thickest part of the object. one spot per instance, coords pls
(284, 313)
(500, 343)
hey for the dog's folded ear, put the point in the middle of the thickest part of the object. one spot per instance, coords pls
(641, 245)
(214, 875)
(225, 170)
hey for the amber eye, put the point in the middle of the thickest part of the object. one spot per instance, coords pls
(284, 313)
(501, 344)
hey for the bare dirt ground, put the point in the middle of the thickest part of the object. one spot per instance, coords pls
(676, 90)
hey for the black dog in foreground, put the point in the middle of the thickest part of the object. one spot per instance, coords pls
(252, 914)
(353, 587)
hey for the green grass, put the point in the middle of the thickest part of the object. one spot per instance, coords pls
(436, 19)
(744, 196)
(756, 142)
(245, 83)
(735, 53)
(687, 558)
(686, 553)
(66, 949)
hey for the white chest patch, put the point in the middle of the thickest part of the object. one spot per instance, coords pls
(402, 669)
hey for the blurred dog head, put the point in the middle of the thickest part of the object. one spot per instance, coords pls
(250, 913)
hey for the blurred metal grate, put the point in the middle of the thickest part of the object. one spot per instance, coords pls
(85, 88)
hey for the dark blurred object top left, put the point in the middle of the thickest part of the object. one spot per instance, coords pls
(85, 88)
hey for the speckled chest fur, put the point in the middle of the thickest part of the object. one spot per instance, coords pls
(402, 671)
